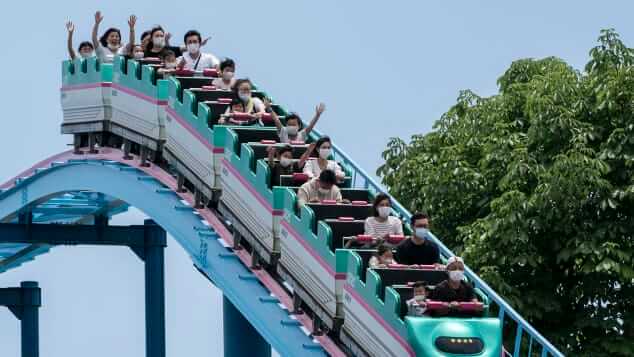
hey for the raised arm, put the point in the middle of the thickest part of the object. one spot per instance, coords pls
(305, 156)
(276, 119)
(71, 51)
(130, 46)
(318, 111)
(95, 30)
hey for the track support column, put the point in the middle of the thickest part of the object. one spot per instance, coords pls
(153, 254)
(240, 337)
(24, 303)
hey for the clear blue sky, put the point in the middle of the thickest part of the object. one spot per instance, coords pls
(383, 68)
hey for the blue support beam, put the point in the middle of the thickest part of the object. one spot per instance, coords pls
(240, 337)
(24, 302)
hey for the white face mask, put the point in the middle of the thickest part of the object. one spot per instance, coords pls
(419, 297)
(244, 96)
(292, 130)
(456, 275)
(324, 191)
(286, 162)
(227, 76)
(86, 55)
(324, 153)
(383, 211)
(138, 55)
(421, 233)
(158, 42)
(170, 65)
(193, 47)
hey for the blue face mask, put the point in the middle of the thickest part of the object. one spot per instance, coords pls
(422, 233)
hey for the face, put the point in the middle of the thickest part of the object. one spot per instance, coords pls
(287, 155)
(158, 36)
(138, 51)
(192, 40)
(170, 59)
(419, 291)
(85, 51)
(384, 203)
(113, 38)
(455, 266)
(229, 69)
(421, 223)
(244, 89)
(325, 145)
(293, 122)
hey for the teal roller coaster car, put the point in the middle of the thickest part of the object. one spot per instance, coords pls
(455, 336)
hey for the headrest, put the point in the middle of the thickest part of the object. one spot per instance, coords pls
(209, 87)
(210, 72)
(328, 202)
(395, 239)
(240, 116)
(297, 142)
(345, 219)
(270, 142)
(300, 177)
(183, 73)
(359, 203)
(364, 238)
(266, 118)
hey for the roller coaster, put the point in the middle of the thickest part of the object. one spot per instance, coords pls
(155, 143)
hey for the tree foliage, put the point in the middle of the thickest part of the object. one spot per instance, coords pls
(534, 186)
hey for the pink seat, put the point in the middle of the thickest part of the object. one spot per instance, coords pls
(359, 203)
(210, 72)
(395, 238)
(300, 178)
(269, 142)
(209, 88)
(266, 118)
(364, 238)
(328, 202)
(345, 219)
(183, 73)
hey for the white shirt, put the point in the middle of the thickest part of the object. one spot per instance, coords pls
(219, 83)
(284, 137)
(205, 60)
(312, 169)
(378, 229)
(416, 308)
(105, 55)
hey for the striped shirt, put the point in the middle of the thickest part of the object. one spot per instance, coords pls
(378, 229)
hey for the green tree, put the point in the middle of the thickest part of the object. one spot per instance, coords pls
(534, 186)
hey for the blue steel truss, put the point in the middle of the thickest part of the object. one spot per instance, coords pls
(78, 189)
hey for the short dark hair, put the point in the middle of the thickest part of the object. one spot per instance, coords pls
(284, 149)
(328, 177)
(416, 216)
(192, 33)
(228, 62)
(294, 116)
(145, 33)
(321, 141)
(104, 38)
(420, 284)
(381, 249)
(167, 53)
(85, 44)
(380, 197)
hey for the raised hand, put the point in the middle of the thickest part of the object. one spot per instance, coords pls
(320, 108)
(98, 17)
(70, 26)
(132, 21)
(167, 37)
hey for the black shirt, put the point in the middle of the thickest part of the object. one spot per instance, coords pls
(409, 253)
(444, 292)
(278, 170)
(177, 51)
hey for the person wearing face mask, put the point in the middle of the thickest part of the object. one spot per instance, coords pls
(157, 44)
(418, 249)
(416, 306)
(382, 258)
(194, 59)
(455, 289)
(285, 164)
(380, 225)
(319, 189)
(137, 53)
(169, 63)
(314, 167)
(109, 44)
(85, 49)
(243, 102)
(226, 81)
(293, 130)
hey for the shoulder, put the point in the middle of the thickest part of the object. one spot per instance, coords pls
(370, 220)
(394, 220)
